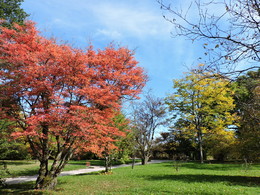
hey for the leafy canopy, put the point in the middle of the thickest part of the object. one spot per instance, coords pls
(202, 105)
(63, 95)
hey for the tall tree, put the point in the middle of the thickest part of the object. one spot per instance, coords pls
(63, 98)
(202, 105)
(247, 98)
(229, 29)
(147, 116)
(11, 12)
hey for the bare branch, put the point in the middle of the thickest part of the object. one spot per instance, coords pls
(232, 33)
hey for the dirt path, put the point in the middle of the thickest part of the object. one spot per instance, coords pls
(91, 169)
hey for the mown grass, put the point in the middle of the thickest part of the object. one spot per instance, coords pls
(98, 162)
(192, 178)
(30, 167)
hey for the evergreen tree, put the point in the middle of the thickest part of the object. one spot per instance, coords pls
(11, 12)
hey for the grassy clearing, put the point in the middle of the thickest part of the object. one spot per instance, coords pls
(192, 178)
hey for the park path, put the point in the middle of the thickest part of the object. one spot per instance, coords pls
(91, 169)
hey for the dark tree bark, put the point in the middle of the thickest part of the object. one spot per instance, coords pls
(47, 178)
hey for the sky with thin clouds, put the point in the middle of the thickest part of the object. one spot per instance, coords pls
(136, 24)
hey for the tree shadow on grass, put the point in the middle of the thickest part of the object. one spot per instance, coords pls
(84, 174)
(13, 162)
(215, 167)
(27, 188)
(92, 162)
(27, 172)
(22, 188)
(232, 180)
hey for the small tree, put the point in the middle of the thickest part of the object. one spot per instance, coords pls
(124, 144)
(121, 147)
(148, 115)
(62, 98)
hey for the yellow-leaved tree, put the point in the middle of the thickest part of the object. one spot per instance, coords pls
(202, 107)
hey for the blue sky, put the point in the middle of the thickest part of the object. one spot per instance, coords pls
(137, 24)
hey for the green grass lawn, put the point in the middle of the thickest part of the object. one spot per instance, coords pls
(31, 167)
(192, 178)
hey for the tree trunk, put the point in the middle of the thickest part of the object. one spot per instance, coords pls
(108, 165)
(42, 173)
(47, 179)
(200, 147)
(47, 182)
(133, 162)
(145, 159)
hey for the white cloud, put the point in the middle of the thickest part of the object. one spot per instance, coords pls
(111, 18)
(130, 20)
(109, 33)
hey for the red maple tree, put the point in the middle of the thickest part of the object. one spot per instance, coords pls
(63, 98)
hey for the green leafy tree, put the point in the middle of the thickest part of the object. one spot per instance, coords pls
(247, 98)
(11, 149)
(123, 144)
(11, 12)
(163, 148)
(174, 144)
(202, 104)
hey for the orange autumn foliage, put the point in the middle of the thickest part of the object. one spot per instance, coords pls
(62, 97)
